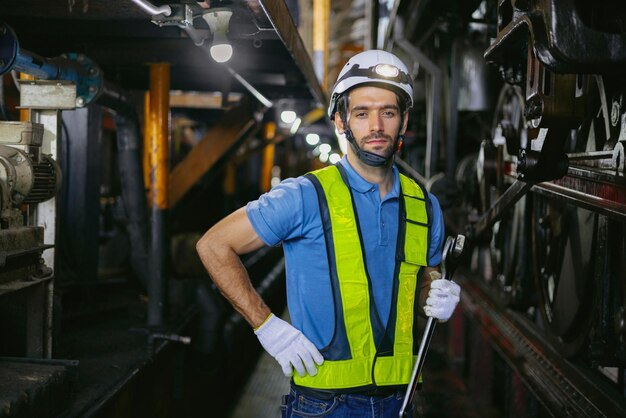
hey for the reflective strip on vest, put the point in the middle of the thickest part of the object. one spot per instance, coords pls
(366, 367)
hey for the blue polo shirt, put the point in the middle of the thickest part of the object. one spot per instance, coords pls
(289, 215)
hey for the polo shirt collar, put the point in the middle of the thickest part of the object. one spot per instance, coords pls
(361, 185)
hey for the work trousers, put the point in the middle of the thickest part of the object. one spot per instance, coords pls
(299, 405)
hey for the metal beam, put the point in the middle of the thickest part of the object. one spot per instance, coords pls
(278, 14)
(236, 125)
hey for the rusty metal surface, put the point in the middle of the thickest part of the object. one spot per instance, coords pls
(596, 190)
(563, 388)
(159, 151)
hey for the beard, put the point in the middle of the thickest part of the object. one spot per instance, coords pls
(383, 151)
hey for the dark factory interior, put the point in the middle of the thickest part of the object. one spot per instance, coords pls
(128, 128)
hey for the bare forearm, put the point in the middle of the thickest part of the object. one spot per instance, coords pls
(231, 278)
(219, 250)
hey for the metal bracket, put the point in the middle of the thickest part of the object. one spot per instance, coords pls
(47, 94)
(514, 193)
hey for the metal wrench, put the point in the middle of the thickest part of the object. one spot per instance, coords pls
(451, 255)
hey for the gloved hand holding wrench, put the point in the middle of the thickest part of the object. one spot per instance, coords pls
(442, 300)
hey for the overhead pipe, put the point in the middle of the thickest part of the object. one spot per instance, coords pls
(72, 67)
(432, 111)
(152, 9)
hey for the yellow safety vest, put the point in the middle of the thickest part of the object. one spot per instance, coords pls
(352, 358)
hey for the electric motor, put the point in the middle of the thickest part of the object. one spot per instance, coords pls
(29, 181)
(26, 174)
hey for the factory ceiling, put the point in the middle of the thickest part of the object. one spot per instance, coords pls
(121, 38)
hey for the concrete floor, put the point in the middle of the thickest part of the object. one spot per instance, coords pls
(263, 392)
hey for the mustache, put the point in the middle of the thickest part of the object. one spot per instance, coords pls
(377, 135)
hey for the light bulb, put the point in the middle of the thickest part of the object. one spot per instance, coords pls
(218, 20)
(221, 52)
(312, 139)
(288, 116)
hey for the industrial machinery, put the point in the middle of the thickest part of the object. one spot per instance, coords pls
(28, 177)
(558, 128)
(533, 173)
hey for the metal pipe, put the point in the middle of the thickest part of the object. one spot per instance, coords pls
(432, 126)
(211, 317)
(43, 68)
(13, 57)
(152, 9)
(159, 174)
(129, 156)
(257, 94)
(73, 67)
(117, 100)
(133, 193)
(198, 36)
(410, 170)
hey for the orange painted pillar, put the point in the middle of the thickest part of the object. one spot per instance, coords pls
(147, 145)
(321, 17)
(269, 132)
(159, 177)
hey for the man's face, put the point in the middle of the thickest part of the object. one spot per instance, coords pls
(374, 118)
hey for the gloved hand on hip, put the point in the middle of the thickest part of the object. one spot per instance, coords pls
(288, 346)
(443, 297)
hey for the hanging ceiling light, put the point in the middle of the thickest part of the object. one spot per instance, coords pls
(218, 20)
(312, 139)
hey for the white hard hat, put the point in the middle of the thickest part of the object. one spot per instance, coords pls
(372, 67)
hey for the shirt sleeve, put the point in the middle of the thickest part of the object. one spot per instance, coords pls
(277, 215)
(437, 233)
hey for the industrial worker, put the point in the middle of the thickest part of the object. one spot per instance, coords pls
(362, 248)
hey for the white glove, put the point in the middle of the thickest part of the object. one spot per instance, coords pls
(288, 346)
(442, 299)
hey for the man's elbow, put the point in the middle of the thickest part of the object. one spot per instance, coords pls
(205, 246)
